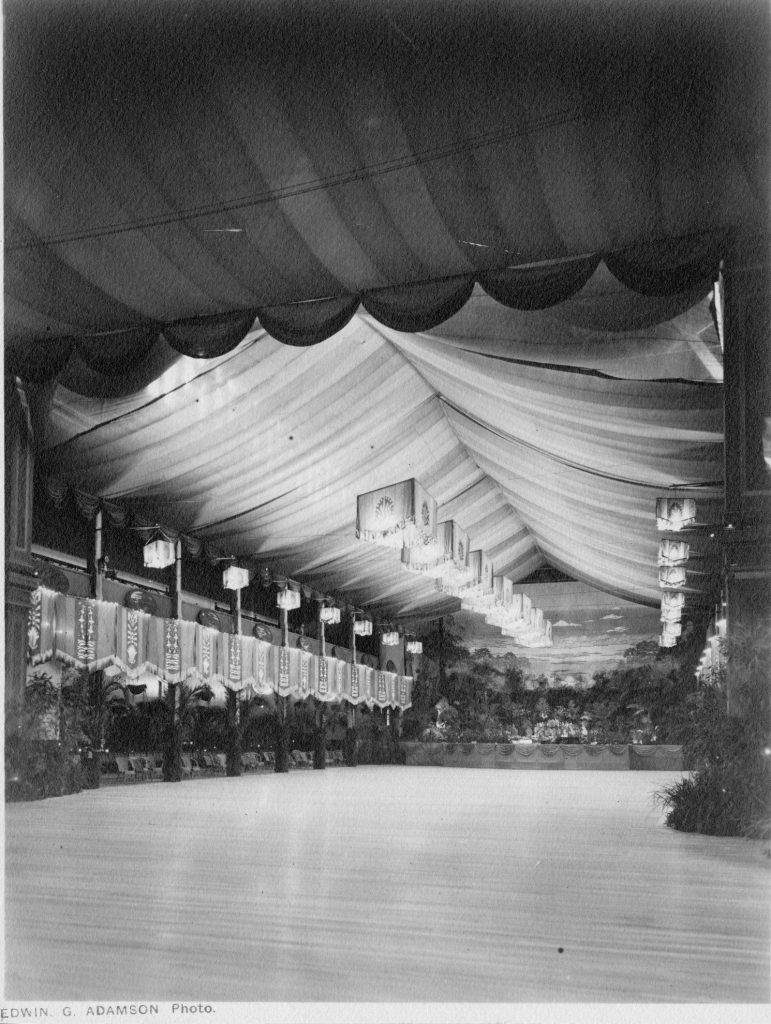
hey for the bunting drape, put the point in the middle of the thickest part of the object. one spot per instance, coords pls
(91, 635)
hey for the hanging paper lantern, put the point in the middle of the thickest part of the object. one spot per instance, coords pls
(672, 577)
(673, 552)
(330, 615)
(362, 627)
(391, 638)
(675, 513)
(672, 603)
(235, 578)
(159, 553)
(396, 516)
(288, 599)
(414, 647)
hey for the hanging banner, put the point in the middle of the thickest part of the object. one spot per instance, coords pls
(354, 691)
(40, 626)
(381, 692)
(283, 671)
(233, 678)
(264, 674)
(204, 652)
(322, 687)
(85, 632)
(305, 674)
(187, 636)
(132, 641)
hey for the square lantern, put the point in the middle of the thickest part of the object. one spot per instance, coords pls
(330, 615)
(672, 606)
(362, 627)
(288, 599)
(673, 552)
(667, 641)
(390, 639)
(398, 515)
(159, 553)
(414, 647)
(235, 578)
(672, 577)
(675, 513)
(672, 629)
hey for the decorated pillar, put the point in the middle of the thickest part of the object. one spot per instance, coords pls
(746, 295)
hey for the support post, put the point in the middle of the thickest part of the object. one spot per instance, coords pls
(350, 742)
(282, 744)
(98, 557)
(319, 717)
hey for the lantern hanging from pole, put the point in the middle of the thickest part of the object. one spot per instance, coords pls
(288, 599)
(675, 513)
(673, 552)
(235, 578)
(398, 515)
(362, 627)
(672, 577)
(391, 638)
(159, 553)
(330, 615)
(414, 647)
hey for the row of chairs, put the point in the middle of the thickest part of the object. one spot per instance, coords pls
(146, 767)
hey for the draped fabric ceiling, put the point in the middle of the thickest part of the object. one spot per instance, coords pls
(261, 257)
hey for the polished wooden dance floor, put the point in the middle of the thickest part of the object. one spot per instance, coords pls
(381, 885)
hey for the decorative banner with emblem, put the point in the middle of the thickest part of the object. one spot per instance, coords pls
(284, 667)
(398, 515)
(133, 625)
(85, 632)
(40, 626)
(205, 654)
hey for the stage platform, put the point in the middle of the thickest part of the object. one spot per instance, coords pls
(381, 884)
(617, 757)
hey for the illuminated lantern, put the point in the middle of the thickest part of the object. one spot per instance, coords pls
(675, 513)
(672, 577)
(234, 578)
(362, 627)
(414, 647)
(159, 553)
(672, 605)
(330, 615)
(673, 552)
(390, 639)
(396, 516)
(667, 641)
(288, 599)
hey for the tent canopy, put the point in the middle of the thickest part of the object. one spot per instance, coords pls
(261, 257)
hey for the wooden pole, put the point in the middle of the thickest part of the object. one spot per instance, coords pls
(350, 734)
(98, 557)
(319, 744)
(178, 580)
(282, 754)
